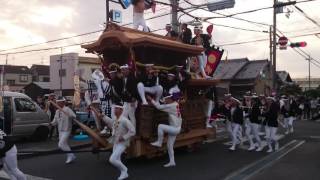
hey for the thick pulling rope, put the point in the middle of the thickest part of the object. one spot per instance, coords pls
(90, 132)
(94, 151)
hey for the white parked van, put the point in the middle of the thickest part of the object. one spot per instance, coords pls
(21, 116)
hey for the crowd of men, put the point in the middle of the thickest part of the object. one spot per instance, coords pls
(257, 114)
(112, 100)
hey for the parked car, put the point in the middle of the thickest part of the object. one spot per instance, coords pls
(22, 117)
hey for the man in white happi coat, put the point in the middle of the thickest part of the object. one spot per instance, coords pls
(173, 129)
(8, 157)
(63, 119)
(122, 131)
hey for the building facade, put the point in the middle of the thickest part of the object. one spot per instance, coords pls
(40, 73)
(304, 83)
(237, 76)
(63, 68)
(16, 77)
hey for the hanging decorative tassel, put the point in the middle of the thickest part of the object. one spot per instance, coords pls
(132, 61)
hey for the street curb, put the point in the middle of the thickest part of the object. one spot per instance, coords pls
(52, 151)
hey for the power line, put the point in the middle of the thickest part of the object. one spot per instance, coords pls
(51, 41)
(306, 16)
(304, 52)
(243, 42)
(58, 47)
(222, 25)
(226, 16)
(254, 10)
(265, 39)
(70, 37)
(154, 17)
(98, 31)
(47, 49)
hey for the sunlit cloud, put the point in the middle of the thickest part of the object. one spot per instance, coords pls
(52, 16)
(17, 35)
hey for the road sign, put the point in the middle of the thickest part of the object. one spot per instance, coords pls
(283, 41)
(125, 3)
(116, 16)
(214, 5)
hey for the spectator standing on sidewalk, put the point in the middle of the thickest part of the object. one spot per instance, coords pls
(51, 111)
(300, 112)
(307, 109)
(313, 106)
(40, 102)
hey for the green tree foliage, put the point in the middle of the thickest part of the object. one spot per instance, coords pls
(291, 90)
(313, 93)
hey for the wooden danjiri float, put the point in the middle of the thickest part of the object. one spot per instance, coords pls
(122, 45)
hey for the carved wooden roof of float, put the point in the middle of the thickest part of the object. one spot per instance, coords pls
(116, 37)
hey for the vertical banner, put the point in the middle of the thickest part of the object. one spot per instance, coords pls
(214, 57)
(1, 88)
(76, 96)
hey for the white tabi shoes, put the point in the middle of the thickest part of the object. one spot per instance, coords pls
(104, 131)
(123, 175)
(156, 143)
(270, 150)
(291, 130)
(276, 147)
(232, 148)
(170, 164)
(259, 149)
(251, 148)
(209, 125)
(70, 159)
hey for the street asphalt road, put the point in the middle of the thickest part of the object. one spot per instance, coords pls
(298, 158)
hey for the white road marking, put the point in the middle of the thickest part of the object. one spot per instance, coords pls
(315, 137)
(246, 173)
(4, 175)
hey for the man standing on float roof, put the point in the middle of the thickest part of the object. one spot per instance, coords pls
(122, 131)
(173, 129)
(139, 6)
(201, 40)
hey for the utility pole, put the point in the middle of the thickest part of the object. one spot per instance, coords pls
(309, 77)
(60, 72)
(274, 50)
(174, 15)
(107, 12)
(6, 59)
(270, 43)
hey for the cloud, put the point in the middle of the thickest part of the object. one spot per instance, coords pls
(14, 34)
(52, 16)
(27, 22)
